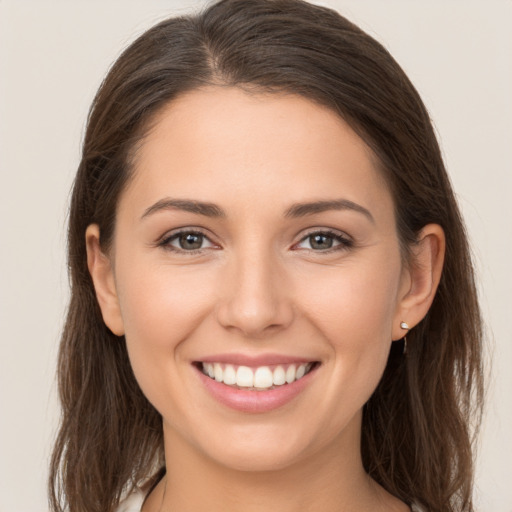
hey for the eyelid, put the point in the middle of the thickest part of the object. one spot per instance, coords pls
(345, 241)
(164, 241)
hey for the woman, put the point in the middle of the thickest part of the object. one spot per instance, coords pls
(272, 301)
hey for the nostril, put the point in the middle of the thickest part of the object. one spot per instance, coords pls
(253, 320)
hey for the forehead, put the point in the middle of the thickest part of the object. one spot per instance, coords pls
(220, 143)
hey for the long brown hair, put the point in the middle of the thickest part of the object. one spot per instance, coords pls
(418, 425)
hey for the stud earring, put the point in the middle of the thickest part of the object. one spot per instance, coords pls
(405, 327)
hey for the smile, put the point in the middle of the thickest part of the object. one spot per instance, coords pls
(260, 378)
(255, 385)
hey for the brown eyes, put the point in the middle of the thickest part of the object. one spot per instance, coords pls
(194, 241)
(190, 241)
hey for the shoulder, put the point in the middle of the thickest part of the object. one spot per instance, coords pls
(132, 503)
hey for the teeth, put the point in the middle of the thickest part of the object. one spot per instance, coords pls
(263, 377)
(259, 378)
(279, 377)
(290, 374)
(244, 377)
(229, 375)
(217, 372)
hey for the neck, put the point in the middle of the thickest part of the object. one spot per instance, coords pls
(332, 480)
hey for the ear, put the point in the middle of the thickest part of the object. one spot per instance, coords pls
(100, 268)
(420, 279)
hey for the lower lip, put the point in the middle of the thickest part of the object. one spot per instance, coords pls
(244, 400)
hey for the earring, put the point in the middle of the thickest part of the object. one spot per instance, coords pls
(405, 327)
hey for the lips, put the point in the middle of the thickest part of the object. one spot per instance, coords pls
(255, 384)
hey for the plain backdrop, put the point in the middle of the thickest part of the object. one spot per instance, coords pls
(53, 55)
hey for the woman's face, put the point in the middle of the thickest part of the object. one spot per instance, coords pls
(256, 242)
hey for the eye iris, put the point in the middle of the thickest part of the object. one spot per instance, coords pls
(320, 241)
(190, 241)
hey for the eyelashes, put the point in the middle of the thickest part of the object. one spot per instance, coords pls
(187, 241)
(324, 241)
(191, 241)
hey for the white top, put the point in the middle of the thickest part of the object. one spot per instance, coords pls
(134, 503)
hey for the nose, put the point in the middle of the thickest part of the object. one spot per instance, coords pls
(255, 298)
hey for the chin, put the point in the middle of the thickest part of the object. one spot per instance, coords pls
(256, 461)
(260, 452)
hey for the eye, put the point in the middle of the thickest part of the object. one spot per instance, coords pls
(187, 241)
(323, 241)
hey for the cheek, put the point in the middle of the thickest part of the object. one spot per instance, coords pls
(353, 310)
(161, 306)
(354, 300)
(355, 319)
(162, 298)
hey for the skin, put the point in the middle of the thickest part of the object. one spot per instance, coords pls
(257, 285)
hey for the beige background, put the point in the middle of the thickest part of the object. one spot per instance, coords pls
(53, 55)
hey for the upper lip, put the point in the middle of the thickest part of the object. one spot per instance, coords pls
(254, 360)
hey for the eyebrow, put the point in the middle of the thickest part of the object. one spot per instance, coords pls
(303, 209)
(296, 210)
(188, 205)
